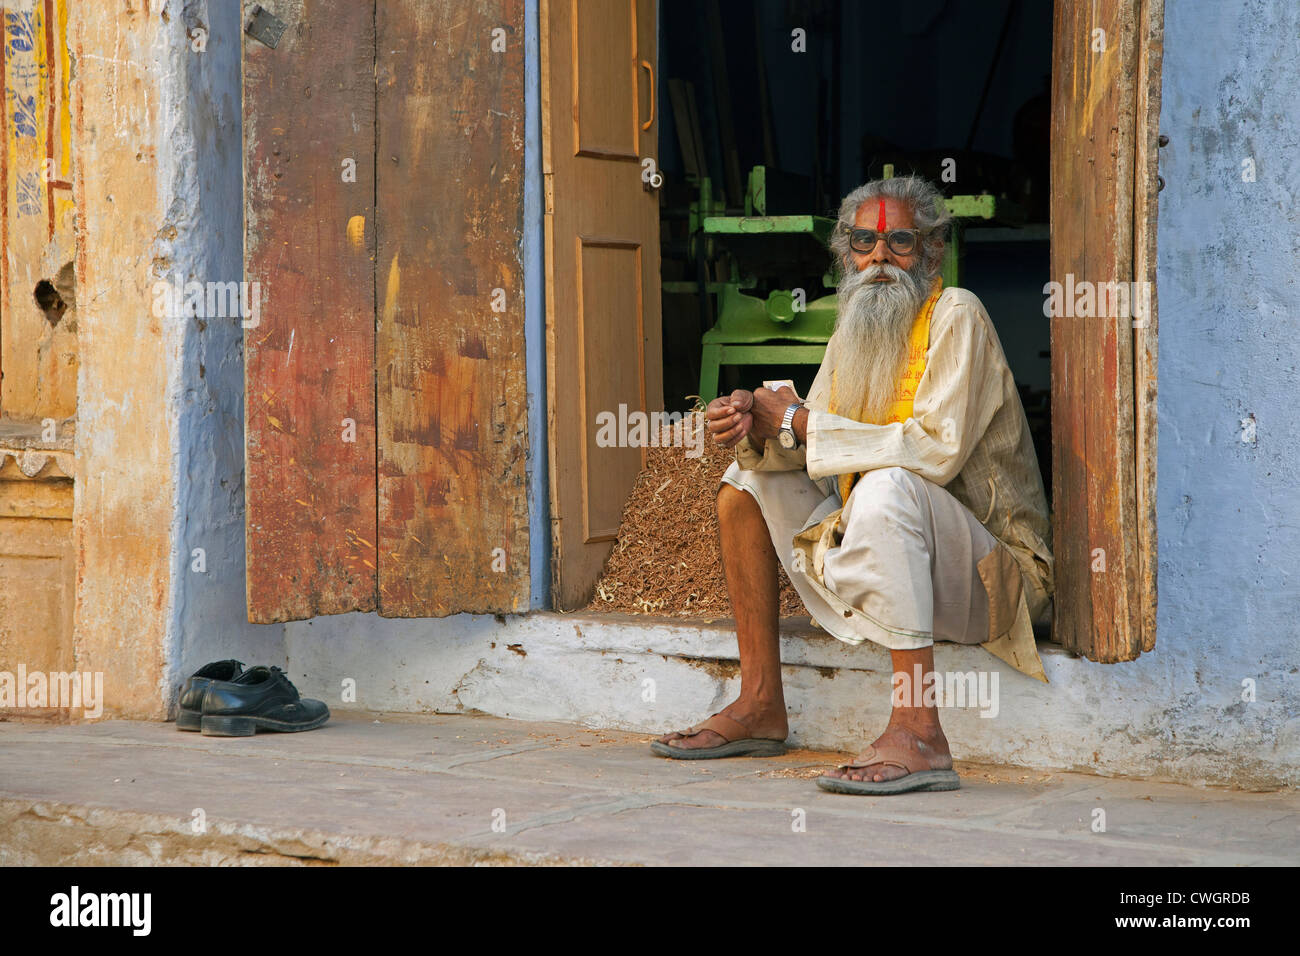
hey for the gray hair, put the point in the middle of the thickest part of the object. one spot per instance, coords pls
(929, 212)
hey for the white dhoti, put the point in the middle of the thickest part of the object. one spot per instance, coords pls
(907, 569)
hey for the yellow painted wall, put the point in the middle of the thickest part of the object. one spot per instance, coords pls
(122, 521)
(37, 569)
(38, 358)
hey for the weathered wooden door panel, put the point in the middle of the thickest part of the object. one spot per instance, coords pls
(602, 267)
(452, 395)
(309, 111)
(1105, 96)
(610, 282)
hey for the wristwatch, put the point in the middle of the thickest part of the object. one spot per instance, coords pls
(786, 436)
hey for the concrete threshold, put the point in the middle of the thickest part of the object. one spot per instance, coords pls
(478, 790)
(1147, 718)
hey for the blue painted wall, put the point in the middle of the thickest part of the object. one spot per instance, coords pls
(1227, 274)
(202, 188)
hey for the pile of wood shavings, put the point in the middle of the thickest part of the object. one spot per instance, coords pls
(667, 560)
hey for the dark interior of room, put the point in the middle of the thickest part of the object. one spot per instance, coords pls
(954, 90)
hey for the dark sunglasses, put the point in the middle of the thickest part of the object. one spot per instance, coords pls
(901, 242)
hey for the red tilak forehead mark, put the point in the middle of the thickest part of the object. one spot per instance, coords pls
(880, 222)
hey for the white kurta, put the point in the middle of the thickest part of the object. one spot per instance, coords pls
(946, 537)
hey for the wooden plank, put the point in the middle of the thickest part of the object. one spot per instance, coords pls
(604, 335)
(687, 136)
(722, 104)
(764, 99)
(1070, 614)
(309, 106)
(697, 135)
(452, 395)
(1145, 339)
(1094, 470)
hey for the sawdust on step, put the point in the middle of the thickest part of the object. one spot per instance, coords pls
(666, 561)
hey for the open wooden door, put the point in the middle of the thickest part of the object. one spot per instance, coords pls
(602, 267)
(1105, 106)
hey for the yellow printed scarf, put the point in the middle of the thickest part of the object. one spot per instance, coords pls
(901, 408)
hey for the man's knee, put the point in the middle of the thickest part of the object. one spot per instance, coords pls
(885, 494)
(893, 475)
(732, 501)
(737, 507)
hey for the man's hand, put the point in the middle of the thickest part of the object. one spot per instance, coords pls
(768, 411)
(729, 418)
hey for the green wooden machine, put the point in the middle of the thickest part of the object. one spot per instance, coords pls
(788, 324)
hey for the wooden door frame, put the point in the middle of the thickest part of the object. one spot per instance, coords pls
(1146, 186)
(1143, 179)
(1110, 615)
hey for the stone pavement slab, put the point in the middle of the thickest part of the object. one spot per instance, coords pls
(379, 788)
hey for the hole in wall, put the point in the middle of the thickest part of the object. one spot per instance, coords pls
(57, 297)
(49, 301)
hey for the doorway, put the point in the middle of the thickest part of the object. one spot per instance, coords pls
(727, 108)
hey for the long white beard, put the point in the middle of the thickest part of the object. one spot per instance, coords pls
(871, 337)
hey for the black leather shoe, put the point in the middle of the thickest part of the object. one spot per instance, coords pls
(190, 714)
(261, 698)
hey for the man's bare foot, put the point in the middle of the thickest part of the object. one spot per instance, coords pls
(763, 720)
(930, 745)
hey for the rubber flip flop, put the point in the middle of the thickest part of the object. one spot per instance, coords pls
(738, 742)
(919, 776)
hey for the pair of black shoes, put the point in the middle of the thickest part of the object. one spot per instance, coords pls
(222, 699)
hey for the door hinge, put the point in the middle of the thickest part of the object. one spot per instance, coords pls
(548, 193)
(264, 25)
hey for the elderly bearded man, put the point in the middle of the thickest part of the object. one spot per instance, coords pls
(903, 498)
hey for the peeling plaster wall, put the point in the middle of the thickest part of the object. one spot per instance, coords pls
(124, 494)
(1228, 272)
(202, 171)
(38, 359)
(160, 436)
